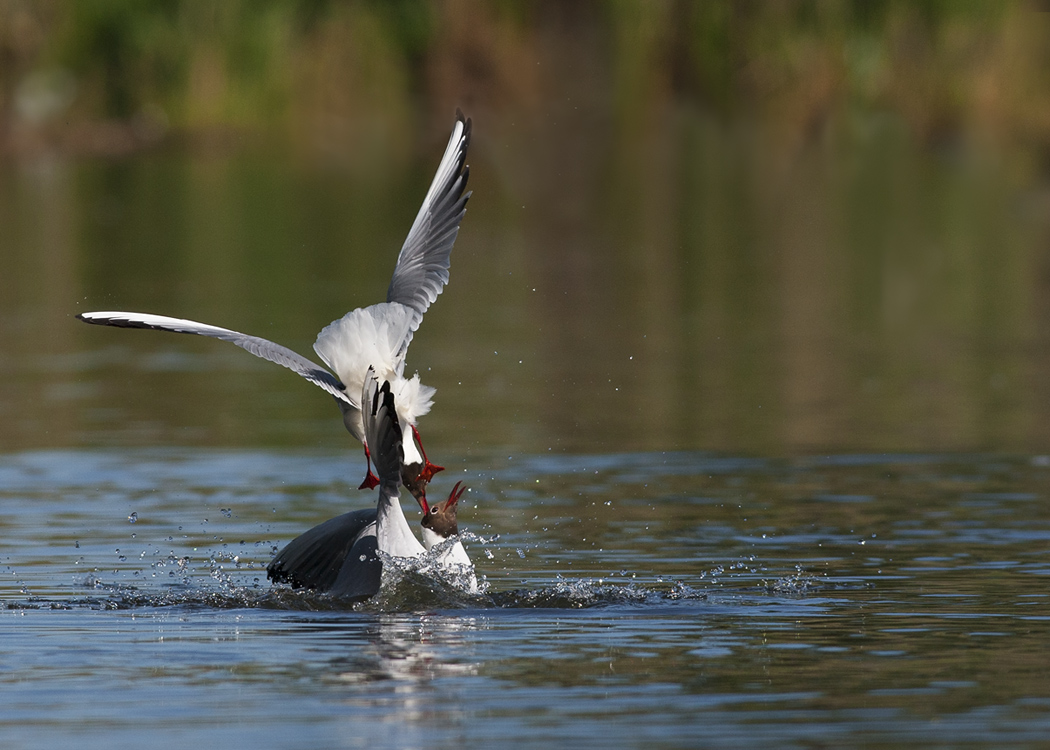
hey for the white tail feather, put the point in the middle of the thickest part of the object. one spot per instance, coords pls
(413, 398)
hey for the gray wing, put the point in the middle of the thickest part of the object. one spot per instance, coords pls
(258, 346)
(314, 559)
(422, 267)
(362, 575)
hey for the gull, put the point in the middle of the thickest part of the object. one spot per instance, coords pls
(341, 556)
(376, 336)
(440, 525)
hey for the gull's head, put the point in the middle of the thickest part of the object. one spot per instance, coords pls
(416, 482)
(416, 477)
(441, 518)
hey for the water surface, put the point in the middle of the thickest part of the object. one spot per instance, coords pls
(634, 600)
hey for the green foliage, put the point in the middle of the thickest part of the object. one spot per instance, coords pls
(131, 49)
(278, 65)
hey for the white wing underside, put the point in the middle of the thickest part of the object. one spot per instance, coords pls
(375, 337)
(260, 347)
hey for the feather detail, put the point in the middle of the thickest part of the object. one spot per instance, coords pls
(422, 265)
(260, 347)
(413, 399)
(367, 337)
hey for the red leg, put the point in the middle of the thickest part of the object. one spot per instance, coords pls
(371, 480)
(429, 469)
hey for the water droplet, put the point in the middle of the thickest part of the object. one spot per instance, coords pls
(133, 517)
(521, 553)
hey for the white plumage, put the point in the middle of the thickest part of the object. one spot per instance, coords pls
(377, 336)
(381, 429)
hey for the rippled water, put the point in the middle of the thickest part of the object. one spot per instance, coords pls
(639, 600)
(714, 294)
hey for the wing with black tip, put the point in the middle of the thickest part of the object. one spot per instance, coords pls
(260, 347)
(422, 267)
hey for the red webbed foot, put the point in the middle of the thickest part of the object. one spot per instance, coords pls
(371, 480)
(429, 470)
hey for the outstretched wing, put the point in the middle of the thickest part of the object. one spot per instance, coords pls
(314, 558)
(258, 346)
(422, 267)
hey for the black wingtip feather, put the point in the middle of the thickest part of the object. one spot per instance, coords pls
(468, 128)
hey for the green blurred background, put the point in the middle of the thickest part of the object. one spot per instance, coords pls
(757, 227)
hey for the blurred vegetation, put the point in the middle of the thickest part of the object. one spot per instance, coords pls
(114, 75)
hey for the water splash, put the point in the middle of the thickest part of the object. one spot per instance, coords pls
(409, 585)
(797, 584)
(229, 576)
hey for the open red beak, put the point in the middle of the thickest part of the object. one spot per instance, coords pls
(455, 495)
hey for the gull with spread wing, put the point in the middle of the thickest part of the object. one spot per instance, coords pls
(376, 336)
(341, 556)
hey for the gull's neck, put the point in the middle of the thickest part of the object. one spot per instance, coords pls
(393, 534)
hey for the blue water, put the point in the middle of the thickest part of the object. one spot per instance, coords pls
(641, 600)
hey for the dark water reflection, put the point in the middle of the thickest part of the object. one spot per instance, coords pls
(710, 291)
(639, 599)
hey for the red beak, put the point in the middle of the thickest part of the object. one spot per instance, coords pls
(455, 495)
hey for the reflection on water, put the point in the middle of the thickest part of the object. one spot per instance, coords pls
(633, 599)
(863, 295)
